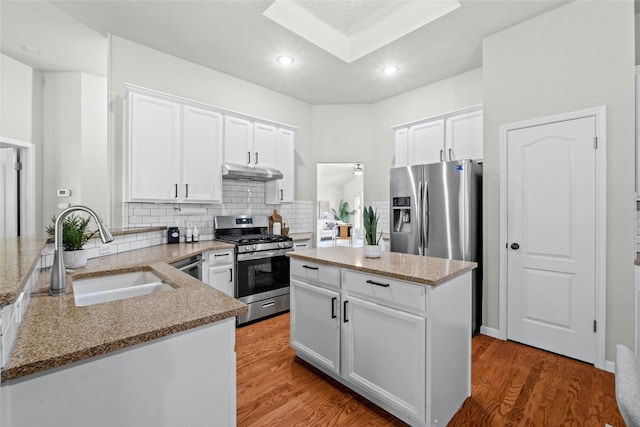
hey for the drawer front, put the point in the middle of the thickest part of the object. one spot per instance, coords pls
(220, 258)
(386, 291)
(316, 273)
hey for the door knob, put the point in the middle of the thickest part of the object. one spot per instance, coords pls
(515, 246)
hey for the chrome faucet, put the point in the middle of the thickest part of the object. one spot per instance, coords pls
(58, 284)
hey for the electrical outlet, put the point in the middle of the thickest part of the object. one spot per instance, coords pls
(105, 249)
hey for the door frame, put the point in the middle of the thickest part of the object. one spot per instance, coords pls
(27, 184)
(600, 115)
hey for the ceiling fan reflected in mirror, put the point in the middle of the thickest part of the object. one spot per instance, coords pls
(358, 169)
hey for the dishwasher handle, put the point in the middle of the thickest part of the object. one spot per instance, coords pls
(193, 264)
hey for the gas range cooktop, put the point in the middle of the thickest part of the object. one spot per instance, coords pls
(249, 233)
(254, 238)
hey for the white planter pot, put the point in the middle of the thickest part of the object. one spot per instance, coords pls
(372, 251)
(75, 259)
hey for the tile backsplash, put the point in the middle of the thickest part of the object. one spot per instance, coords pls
(238, 197)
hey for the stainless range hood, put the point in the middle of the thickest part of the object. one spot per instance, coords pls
(235, 171)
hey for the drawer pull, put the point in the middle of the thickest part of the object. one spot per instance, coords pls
(384, 285)
(217, 255)
(344, 313)
(310, 267)
(333, 307)
(268, 304)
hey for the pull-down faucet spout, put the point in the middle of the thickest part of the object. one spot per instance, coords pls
(58, 284)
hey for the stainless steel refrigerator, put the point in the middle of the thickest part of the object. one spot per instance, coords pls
(436, 210)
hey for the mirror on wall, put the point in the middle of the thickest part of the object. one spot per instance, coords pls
(340, 194)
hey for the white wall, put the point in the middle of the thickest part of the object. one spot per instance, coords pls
(75, 149)
(575, 57)
(16, 99)
(139, 65)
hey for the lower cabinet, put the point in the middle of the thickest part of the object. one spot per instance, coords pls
(384, 354)
(404, 346)
(300, 245)
(219, 270)
(315, 331)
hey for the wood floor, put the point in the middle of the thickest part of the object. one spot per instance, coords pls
(512, 385)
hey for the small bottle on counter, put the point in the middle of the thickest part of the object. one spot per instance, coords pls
(188, 235)
(195, 233)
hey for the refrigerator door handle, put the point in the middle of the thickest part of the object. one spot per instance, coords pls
(425, 221)
(419, 210)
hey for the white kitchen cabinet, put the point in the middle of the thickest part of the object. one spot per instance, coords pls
(172, 149)
(250, 143)
(384, 354)
(152, 133)
(452, 136)
(219, 270)
(315, 326)
(300, 245)
(281, 190)
(402, 345)
(464, 136)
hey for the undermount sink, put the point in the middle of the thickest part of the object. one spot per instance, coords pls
(114, 287)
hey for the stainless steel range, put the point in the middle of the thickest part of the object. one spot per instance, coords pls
(262, 269)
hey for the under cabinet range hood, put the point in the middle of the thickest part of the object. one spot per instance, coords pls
(235, 171)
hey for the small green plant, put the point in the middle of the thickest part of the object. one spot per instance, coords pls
(343, 212)
(74, 231)
(371, 226)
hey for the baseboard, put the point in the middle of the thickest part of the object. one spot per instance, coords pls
(490, 332)
(610, 366)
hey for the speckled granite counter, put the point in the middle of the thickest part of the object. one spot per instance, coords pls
(412, 268)
(55, 332)
(18, 258)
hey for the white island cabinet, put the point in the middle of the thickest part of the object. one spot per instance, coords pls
(403, 344)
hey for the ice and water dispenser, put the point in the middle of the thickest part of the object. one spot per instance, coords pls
(402, 214)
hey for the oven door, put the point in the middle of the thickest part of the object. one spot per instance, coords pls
(261, 275)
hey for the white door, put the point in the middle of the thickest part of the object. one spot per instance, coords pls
(285, 164)
(426, 143)
(551, 237)
(402, 147)
(201, 155)
(8, 193)
(221, 278)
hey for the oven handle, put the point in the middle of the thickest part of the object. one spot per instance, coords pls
(193, 264)
(262, 254)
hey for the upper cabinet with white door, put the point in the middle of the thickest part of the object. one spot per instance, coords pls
(452, 136)
(172, 149)
(281, 190)
(250, 143)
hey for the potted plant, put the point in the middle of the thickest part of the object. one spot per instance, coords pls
(372, 248)
(74, 236)
(343, 213)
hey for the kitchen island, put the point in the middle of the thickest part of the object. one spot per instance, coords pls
(396, 329)
(167, 358)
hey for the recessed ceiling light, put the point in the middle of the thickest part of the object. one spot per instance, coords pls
(390, 69)
(285, 60)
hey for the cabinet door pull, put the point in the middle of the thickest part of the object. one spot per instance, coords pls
(176, 190)
(281, 194)
(231, 274)
(217, 255)
(450, 154)
(186, 191)
(442, 155)
(309, 267)
(344, 312)
(256, 157)
(249, 158)
(333, 307)
(384, 285)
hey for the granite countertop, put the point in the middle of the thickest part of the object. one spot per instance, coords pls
(412, 268)
(18, 257)
(55, 332)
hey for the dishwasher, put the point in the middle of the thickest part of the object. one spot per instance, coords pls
(191, 265)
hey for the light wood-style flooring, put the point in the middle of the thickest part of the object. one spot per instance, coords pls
(512, 385)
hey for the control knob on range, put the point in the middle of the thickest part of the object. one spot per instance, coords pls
(281, 244)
